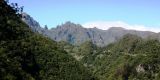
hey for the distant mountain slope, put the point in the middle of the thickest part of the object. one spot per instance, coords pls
(76, 34)
(25, 55)
(130, 58)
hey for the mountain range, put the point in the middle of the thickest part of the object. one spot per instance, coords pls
(30, 52)
(76, 34)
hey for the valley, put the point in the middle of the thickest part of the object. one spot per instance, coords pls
(72, 52)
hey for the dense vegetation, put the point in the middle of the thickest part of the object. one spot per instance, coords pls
(25, 55)
(130, 58)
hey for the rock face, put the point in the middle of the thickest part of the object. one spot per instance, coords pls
(33, 24)
(140, 68)
(76, 34)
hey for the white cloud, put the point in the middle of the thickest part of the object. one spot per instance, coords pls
(104, 25)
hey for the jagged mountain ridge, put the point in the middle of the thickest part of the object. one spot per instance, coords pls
(33, 24)
(77, 34)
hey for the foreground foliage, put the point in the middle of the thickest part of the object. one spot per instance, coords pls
(25, 55)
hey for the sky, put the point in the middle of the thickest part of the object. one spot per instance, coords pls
(131, 14)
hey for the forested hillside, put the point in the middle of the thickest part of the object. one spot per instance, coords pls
(28, 55)
(130, 58)
(25, 55)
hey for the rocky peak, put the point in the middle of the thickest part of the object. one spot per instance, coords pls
(34, 25)
(68, 25)
(76, 34)
(29, 20)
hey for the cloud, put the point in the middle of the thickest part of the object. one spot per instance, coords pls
(104, 25)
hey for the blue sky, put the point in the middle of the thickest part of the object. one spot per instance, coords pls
(54, 12)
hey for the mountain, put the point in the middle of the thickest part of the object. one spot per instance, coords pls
(129, 58)
(27, 55)
(33, 24)
(77, 34)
